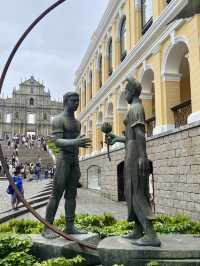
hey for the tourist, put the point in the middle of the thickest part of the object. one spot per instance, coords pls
(19, 184)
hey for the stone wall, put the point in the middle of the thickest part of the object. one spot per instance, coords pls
(176, 160)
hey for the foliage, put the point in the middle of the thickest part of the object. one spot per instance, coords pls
(52, 146)
(21, 227)
(180, 223)
(61, 262)
(10, 243)
(107, 225)
(18, 259)
(153, 263)
(14, 251)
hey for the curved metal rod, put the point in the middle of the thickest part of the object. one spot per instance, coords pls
(82, 244)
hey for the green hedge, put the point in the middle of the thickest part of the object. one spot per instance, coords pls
(15, 251)
(106, 225)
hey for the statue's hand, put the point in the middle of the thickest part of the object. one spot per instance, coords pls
(83, 142)
(143, 166)
(111, 139)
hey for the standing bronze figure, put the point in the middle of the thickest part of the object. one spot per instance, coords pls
(66, 133)
(136, 175)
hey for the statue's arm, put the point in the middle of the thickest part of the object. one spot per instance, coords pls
(112, 139)
(62, 143)
(143, 163)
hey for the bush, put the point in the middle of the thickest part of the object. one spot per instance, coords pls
(21, 227)
(106, 225)
(14, 251)
(18, 259)
(62, 262)
(11, 243)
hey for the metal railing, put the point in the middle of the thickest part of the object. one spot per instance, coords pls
(181, 113)
(150, 125)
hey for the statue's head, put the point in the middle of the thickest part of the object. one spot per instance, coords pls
(71, 101)
(132, 89)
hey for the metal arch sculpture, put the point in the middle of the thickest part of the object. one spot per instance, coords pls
(82, 244)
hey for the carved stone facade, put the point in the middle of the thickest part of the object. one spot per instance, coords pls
(30, 110)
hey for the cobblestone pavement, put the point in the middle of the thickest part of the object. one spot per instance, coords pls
(87, 201)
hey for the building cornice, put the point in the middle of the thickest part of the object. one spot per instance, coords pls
(168, 14)
(104, 24)
(143, 49)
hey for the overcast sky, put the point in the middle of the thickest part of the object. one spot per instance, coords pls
(54, 49)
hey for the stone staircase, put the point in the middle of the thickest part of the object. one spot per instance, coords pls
(28, 155)
(37, 201)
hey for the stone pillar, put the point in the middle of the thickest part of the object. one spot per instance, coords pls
(104, 63)
(87, 93)
(116, 45)
(118, 114)
(89, 135)
(158, 7)
(170, 97)
(137, 21)
(147, 103)
(158, 93)
(128, 25)
(94, 134)
(96, 77)
(194, 61)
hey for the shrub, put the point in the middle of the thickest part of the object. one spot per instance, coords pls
(11, 243)
(18, 259)
(61, 262)
(107, 225)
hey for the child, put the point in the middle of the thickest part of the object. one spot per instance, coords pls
(18, 182)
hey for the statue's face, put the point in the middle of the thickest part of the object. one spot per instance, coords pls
(72, 103)
(129, 93)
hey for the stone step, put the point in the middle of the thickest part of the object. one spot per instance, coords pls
(176, 249)
(45, 249)
(4, 218)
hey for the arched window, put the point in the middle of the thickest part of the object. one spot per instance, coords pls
(110, 64)
(100, 71)
(147, 14)
(123, 39)
(31, 101)
(45, 116)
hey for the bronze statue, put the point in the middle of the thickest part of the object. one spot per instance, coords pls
(137, 170)
(66, 133)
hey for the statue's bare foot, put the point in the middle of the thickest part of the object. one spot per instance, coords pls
(147, 241)
(72, 230)
(49, 234)
(134, 235)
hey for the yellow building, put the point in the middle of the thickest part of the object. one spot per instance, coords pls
(141, 38)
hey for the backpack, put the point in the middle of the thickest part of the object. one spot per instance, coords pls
(10, 190)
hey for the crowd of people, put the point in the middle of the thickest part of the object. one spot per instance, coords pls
(24, 170)
(29, 142)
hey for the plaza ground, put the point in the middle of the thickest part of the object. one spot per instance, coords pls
(87, 201)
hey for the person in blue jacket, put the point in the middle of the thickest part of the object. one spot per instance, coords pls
(19, 183)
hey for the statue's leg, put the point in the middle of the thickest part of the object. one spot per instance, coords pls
(57, 192)
(137, 232)
(70, 199)
(138, 229)
(150, 238)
